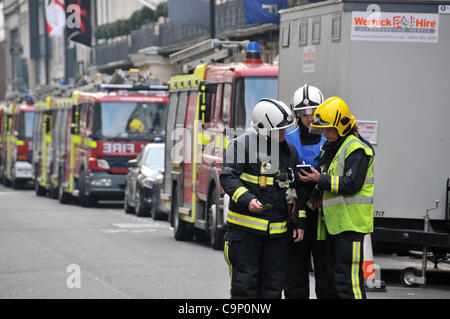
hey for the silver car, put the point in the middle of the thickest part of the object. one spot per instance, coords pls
(144, 182)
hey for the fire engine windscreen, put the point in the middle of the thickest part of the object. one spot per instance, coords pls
(249, 90)
(26, 120)
(129, 121)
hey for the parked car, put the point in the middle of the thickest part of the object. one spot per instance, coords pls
(144, 182)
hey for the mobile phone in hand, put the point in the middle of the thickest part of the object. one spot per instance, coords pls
(306, 168)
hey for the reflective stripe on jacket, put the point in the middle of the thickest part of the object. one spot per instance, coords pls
(244, 180)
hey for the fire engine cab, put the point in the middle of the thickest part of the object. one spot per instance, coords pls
(43, 139)
(49, 137)
(2, 111)
(208, 107)
(107, 127)
(17, 126)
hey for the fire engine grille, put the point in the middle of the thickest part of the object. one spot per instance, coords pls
(117, 162)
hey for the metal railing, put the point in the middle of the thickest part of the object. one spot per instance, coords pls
(229, 15)
(113, 51)
(146, 36)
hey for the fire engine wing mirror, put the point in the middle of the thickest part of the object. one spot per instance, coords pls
(133, 163)
(206, 89)
(73, 129)
(48, 124)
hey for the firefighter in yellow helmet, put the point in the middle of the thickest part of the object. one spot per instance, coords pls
(345, 177)
(136, 125)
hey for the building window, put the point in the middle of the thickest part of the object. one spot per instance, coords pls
(285, 35)
(303, 33)
(316, 31)
(336, 28)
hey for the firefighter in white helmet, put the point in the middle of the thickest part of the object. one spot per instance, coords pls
(304, 102)
(258, 169)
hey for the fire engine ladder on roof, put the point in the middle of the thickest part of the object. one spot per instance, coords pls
(134, 81)
(211, 50)
(60, 90)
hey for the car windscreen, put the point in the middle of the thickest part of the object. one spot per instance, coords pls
(154, 158)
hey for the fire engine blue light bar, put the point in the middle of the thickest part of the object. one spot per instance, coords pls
(131, 87)
(253, 47)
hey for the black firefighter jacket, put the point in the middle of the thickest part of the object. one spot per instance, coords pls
(245, 176)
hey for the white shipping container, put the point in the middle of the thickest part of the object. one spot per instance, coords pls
(390, 62)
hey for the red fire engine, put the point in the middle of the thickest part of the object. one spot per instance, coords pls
(203, 106)
(42, 144)
(2, 111)
(17, 126)
(105, 130)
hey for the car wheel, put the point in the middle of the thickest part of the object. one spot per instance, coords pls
(63, 197)
(40, 191)
(141, 210)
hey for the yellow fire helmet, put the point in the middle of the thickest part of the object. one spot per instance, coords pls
(136, 126)
(334, 112)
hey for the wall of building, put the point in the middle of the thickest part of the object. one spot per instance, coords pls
(3, 49)
(25, 26)
(17, 35)
(109, 11)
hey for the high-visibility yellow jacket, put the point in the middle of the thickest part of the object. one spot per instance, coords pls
(343, 211)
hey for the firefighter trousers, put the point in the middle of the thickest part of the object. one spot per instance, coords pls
(257, 264)
(345, 253)
(299, 266)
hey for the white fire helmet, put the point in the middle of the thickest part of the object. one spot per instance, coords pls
(271, 115)
(306, 100)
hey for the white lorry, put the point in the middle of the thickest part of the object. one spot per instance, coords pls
(389, 61)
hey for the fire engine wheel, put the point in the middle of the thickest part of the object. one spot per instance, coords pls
(40, 191)
(54, 192)
(213, 210)
(84, 199)
(63, 197)
(181, 230)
